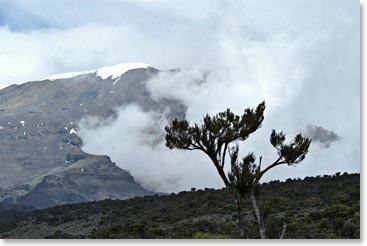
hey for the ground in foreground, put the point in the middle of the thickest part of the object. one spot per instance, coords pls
(316, 207)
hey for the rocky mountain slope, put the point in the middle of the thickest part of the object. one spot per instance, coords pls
(41, 161)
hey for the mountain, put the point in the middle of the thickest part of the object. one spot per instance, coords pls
(316, 207)
(41, 160)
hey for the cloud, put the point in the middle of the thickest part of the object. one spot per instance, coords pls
(133, 146)
(301, 57)
(321, 135)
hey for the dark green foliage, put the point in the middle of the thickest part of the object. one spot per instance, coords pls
(317, 207)
(293, 152)
(61, 235)
(243, 175)
(204, 235)
(216, 131)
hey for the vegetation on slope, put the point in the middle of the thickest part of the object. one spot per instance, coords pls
(316, 207)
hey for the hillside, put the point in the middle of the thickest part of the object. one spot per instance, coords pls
(316, 207)
(41, 160)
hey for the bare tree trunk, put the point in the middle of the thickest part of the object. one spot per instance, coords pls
(283, 231)
(257, 214)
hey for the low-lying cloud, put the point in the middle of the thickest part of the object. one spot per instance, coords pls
(321, 135)
(130, 143)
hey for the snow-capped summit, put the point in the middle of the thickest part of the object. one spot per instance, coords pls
(103, 72)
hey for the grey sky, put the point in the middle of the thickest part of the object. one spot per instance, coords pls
(301, 57)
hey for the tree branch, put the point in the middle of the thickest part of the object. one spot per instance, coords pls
(276, 163)
(234, 223)
(283, 231)
(224, 154)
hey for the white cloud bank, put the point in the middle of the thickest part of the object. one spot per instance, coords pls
(153, 165)
(301, 57)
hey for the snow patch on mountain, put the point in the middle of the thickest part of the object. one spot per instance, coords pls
(103, 72)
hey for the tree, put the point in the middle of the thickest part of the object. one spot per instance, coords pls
(218, 136)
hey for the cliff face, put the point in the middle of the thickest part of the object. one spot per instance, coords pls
(41, 161)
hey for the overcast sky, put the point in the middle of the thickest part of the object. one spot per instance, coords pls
(300, 56)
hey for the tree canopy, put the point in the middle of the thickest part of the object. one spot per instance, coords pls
(219, 135)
